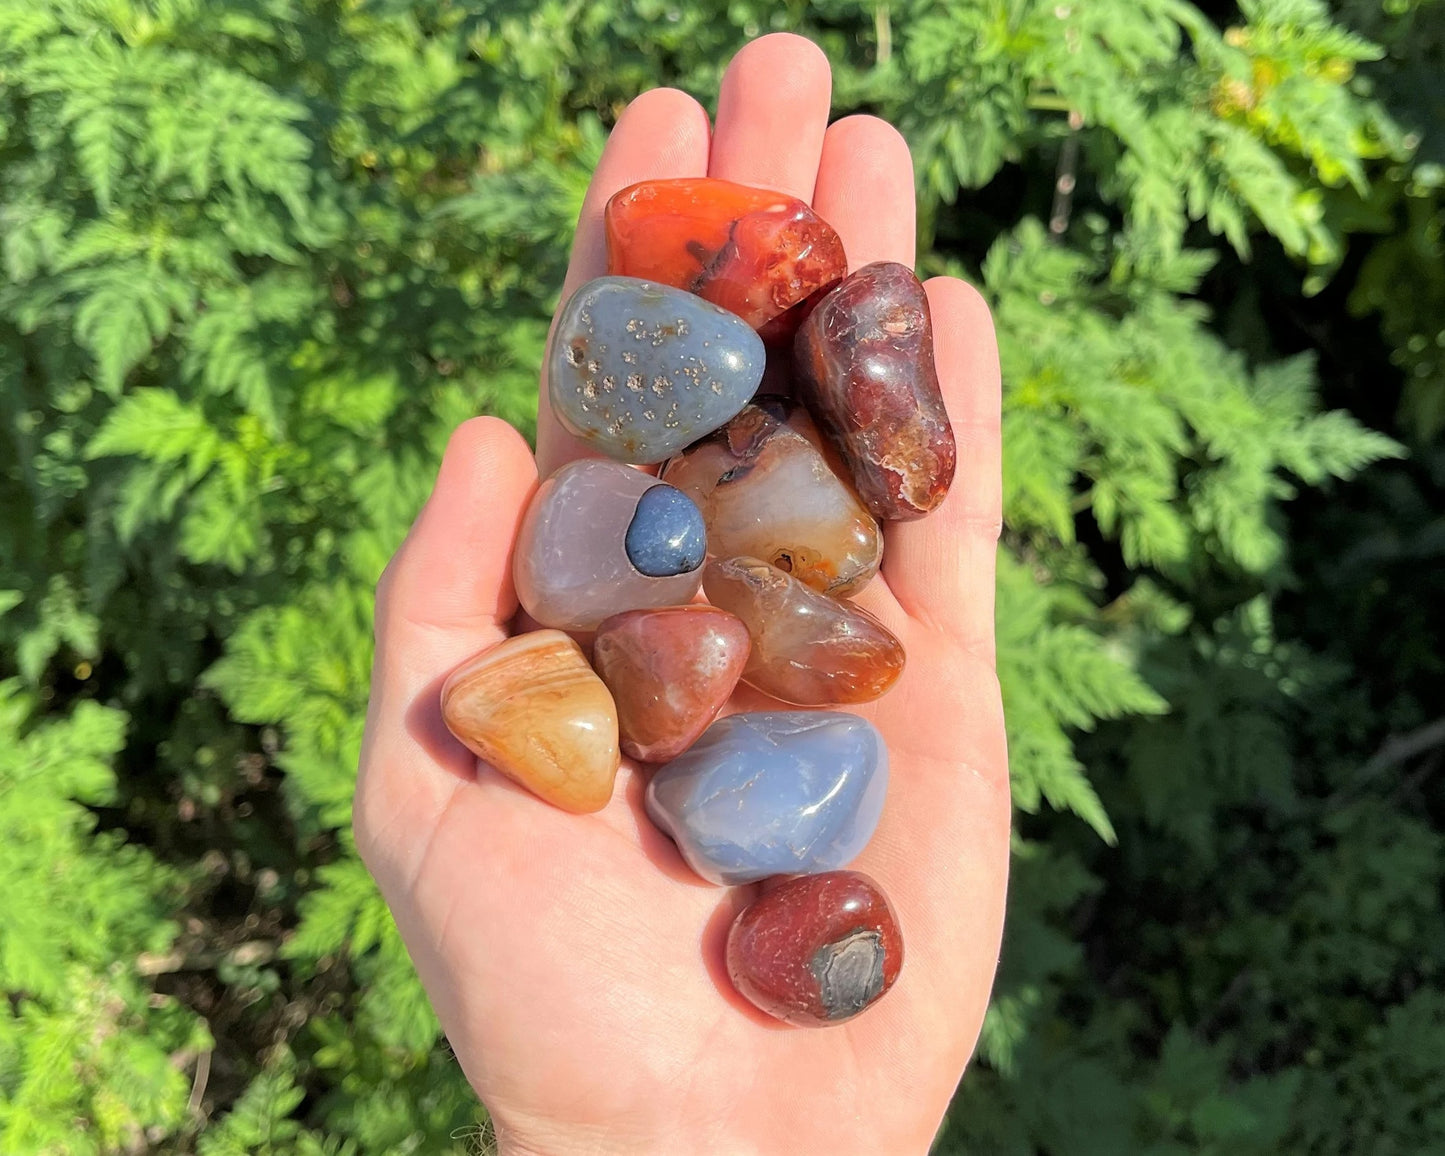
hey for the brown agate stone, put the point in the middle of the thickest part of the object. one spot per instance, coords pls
(864, 367)
(756, 252)
(817, 949)
(670, 672)
(533, 709)
(765, 490)
(808, 649)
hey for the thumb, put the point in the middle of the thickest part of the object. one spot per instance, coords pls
(446, 594)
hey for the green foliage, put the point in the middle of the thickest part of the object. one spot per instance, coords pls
(82, 1037)
(1403, 277)
(260, 1123)
(260, 256)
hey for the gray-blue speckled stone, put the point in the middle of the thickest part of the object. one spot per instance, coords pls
(640, 370)
(773, 793)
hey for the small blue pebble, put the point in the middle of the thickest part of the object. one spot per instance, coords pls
(667, 535)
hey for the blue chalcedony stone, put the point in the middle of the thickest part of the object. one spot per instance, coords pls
(667, 535)
(773, 793)
(640, 370)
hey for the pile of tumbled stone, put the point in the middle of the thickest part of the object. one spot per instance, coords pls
(768, 502)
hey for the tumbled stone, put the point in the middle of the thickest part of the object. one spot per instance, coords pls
(755, 252)
(773, 793)
(667, 534)
(534, 710)
(864, 366)
(808, 649)
(765, 489)
(816, 950)
(670, 671)
(570, 562)
(638, 370)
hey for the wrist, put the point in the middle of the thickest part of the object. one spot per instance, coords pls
(573, 1141)
(730, 1137)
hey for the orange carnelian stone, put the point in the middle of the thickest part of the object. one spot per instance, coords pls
(755, 252)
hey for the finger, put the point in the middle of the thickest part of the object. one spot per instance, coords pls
(941, 568)
(446, 595)
(865, 190)
(453, 572)
(663, 133)
(772, 111)
(883, 604)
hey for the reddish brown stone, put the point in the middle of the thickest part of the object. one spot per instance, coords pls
(864, 366)
(670, 671)
(758, 253)
(817, 949)
(808, 649)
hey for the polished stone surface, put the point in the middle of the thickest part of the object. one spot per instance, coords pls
(766, 489)
(808, 649)
(816, 950)
(756, 252)
(534, 710)
(863, 363)
(773, 793)
(670, 672)
(570, 563)
(638, 370)
(667, 534)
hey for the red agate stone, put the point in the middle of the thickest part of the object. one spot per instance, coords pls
(864, 366)
(755, 252)
(670, 671)
(817, 949)
(808, 649)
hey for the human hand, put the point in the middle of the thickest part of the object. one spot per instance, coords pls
(575, 962)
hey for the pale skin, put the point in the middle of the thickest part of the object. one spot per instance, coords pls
(575, 962)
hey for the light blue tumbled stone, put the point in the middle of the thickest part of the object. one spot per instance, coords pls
(773, 793)
(667, 534)
(639, 370)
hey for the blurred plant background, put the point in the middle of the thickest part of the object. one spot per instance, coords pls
(260, 256)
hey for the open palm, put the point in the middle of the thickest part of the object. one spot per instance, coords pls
(575, 962)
